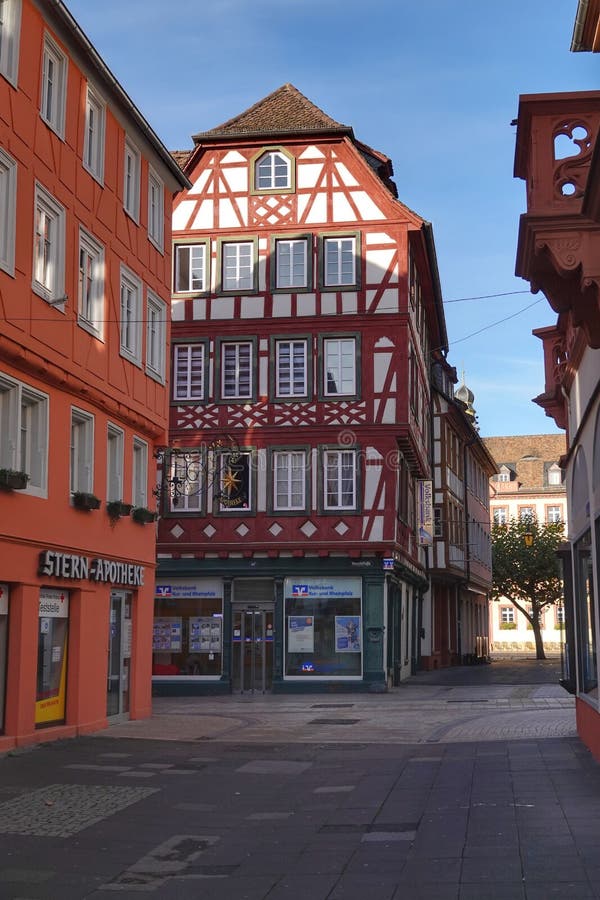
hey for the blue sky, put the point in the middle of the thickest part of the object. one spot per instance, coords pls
(433, 84)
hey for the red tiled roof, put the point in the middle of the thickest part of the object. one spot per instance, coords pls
(285, 111)
(181, 157)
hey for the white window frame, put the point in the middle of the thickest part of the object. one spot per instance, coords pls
(188, 371)
(340, 363)
(500, 515)
(90, 299)
(527, 512)
(82, 451)
(507, 615)
(48, 247)
(54, 86)
(551, 516)
(10, 27)
(24, 417)
(139, 481)
(156, 336)
(271, 163)
(554, 476)
(156, 210)
(289, 480)
(198, 265)
(8, 211)
(115, 446)
(335, 462)
(291, 372)
(130, 317)
(242, 368)
(94, 134)
(287, 272)
(190, 471)
(234, 277)
(131, 180)
(336, 251)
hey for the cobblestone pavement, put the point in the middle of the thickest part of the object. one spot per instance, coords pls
(493, 798)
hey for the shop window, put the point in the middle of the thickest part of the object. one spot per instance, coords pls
(323, 628)
(584, 599)
(4, 595)
(188, 629)
(53, 631)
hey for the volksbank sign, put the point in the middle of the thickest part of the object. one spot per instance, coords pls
(70, 565)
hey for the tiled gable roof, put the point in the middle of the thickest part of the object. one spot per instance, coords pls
(181, 157)
(285, 111)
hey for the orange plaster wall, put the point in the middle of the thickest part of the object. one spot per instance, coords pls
(588, 726)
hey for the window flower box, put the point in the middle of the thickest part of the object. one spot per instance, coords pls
(13, 480)
(83, 500)
(117, 509)
(142, 516)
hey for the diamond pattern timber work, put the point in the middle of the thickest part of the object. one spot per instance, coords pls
(275, 529)
(209, 531)
(197, 416)
(242, 530)
(274, 210)
(341, 528)
(294, 414)
(177, 531)
(344, 413)
(247, 417)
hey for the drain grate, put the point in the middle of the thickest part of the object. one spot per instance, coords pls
(333, 721)
(467, 701)
(332, 705)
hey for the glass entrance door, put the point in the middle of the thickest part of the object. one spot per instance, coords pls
(119, 654)
(252, 648)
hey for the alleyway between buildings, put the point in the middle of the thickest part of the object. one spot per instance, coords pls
(463, 784)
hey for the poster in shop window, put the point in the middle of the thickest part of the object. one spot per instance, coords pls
(347, 634)
(205, 634)
(167, 634)
(301, 634)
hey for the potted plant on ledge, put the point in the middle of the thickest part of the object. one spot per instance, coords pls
(117, 509)
(13, 480)
(83, 500)
(142, 516)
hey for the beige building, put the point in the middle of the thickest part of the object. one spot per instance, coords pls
(529, 482)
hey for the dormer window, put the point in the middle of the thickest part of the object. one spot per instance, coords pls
(272, 171)
(504, 474)
(554, 475)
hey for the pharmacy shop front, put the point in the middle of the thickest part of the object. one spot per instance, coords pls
(74, 647)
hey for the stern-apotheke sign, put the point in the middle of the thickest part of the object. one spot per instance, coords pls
(70, 565)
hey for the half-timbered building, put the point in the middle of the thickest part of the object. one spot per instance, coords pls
(305, 303)
(456, 626)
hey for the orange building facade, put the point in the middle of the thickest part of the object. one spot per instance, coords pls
(85, 244)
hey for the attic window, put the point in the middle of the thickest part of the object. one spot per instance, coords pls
(504, 474)
(554, 474)
(273, 171)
